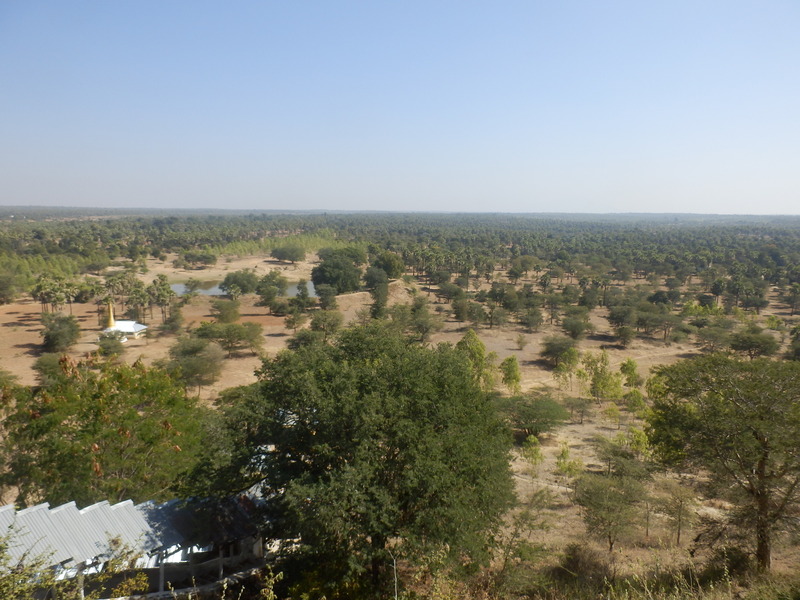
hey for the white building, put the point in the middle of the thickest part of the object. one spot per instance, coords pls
(126, 329)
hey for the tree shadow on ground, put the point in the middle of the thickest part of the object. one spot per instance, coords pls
(30, 348)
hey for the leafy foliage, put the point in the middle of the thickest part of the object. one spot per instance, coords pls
(738, 419)
(365, 445)
(338, 272)
(107, 433)
(60, 332)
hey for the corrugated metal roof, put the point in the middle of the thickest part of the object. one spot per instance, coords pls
(161, 519)
(71, 537)
(35, 536)
(68, 519)
(131, 526)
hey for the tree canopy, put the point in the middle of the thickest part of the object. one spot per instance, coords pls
(107, 433)
(368, 445)
(739, 420)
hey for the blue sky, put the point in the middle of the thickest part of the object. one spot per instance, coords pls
(530, 106)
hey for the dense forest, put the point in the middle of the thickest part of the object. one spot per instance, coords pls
(404, 451)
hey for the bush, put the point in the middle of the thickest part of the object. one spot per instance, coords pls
(728, 562)
(584, 566)
(290, 253)
(110, 344)
(60, 332)
(48, 369)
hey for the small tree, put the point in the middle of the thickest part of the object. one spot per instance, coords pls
(225, 311)
(555, 348)
(678, 502)
(327, 296)
(613, 415)
(482, 361)
(629, 370)
(578, 406)
(565, 465)
(511, 375)
(327, 322)
(110, 344)
(196, 361)
(290, 253)
(295, 320)
(609, 505)
(532, 452)
(522, 341)
(60, 332)
(603, 384)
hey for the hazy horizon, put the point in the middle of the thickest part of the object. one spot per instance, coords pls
(516, 107)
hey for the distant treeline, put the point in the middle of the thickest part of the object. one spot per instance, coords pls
(70, 242)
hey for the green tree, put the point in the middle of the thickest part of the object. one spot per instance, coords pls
(338, 272)
(302, 300)
(482, 361)
(603, 383)
(566, 368)
(295, 320)
(327, 296)
(369, 445)
(532, 319)
(8, 288)
(532, 452)
(225, 311)
(270, 286)
(232, 336)
(555, 348)
(609, 505)
(60, 332)
(375, 277)
(290, 253)
(754, 342)
(110, 344)
(533, 414)
(510, 374)
(101, 432)
(738, 420)
(630, 371)
(423, 322)
(391, 263)
(196, 361)
(245, 280)
(327, 322)
(578, 406)
(566, 466)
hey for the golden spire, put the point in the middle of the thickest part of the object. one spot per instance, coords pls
(111, 322)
